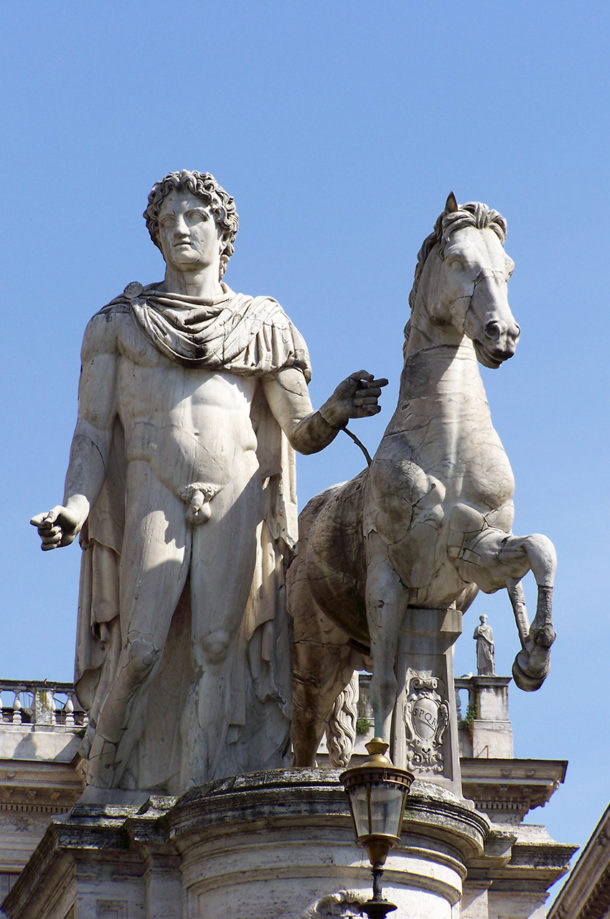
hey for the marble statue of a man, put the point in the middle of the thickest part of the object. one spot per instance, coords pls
(484, 636)
(181, 485)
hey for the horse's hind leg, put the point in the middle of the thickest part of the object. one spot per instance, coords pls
(323, 666)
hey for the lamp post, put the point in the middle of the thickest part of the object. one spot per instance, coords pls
(377, 793)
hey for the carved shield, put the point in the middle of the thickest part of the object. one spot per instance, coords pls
(425, 717)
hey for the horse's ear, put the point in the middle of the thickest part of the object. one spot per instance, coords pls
(451, 204)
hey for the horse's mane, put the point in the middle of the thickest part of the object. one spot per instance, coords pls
(472, 214)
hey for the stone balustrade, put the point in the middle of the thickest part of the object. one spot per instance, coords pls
(40, 702)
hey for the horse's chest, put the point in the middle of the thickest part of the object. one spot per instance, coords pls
(399, 492)
(440, 471)
(410, 495)
(484, 478)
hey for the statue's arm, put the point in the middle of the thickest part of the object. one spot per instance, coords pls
(92, 436)
(96, 411)
(310, 431)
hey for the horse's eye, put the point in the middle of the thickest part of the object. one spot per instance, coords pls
(456, 263)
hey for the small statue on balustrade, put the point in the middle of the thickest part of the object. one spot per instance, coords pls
(484, 636)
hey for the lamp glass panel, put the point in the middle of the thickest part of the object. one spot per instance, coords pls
(360, 807)
(386, 809)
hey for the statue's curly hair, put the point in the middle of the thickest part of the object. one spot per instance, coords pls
(204, 186)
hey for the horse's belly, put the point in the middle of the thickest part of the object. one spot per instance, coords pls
(335, 559)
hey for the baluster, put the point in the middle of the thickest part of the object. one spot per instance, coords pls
(17, 709)
(69, 713)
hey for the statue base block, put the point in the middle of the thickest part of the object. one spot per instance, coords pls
(424, 736)
(260, 846)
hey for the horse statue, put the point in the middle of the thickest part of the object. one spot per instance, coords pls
(429, 523)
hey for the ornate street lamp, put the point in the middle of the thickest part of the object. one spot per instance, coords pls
(377, 793)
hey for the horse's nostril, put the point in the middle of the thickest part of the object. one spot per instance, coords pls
(493, 329)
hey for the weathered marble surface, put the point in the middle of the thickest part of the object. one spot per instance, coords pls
(429, 524)
(181, 485)
(279, 844)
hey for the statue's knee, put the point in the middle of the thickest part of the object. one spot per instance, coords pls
(141, 656)
(215, 646)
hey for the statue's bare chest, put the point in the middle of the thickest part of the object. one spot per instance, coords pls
(155, 391)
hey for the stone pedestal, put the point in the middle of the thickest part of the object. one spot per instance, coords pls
(282, 845)
(425, 736)
(279, 845)
(271, 844)
(491, 732)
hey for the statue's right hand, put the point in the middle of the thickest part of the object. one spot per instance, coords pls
(58, 527)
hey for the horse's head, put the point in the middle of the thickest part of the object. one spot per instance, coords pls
(461, 280)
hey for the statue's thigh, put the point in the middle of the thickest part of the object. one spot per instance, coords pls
(222, 561)
(154, 557)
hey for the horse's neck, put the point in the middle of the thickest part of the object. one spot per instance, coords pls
(441, 393)
(439, 368)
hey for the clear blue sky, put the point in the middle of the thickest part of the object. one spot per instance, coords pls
(339, 128)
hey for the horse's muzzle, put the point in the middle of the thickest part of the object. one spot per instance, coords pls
(493, 355)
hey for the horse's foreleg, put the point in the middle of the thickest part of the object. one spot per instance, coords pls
(532, 663)
(494, 560)
(543, 562)
(386, 604)
(517, 599)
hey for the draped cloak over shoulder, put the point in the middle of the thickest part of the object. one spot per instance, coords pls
(242, 335)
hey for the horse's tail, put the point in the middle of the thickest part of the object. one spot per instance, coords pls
(341, 725)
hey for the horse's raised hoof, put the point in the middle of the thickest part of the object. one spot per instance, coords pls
(526, 680)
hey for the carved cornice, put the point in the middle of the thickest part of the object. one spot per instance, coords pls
(24, 807)
(38, 787)
(511, 786)
(597, 903)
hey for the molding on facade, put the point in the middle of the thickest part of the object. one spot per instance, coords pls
(586, 893)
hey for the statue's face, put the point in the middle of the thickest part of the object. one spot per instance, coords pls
(188, 235)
